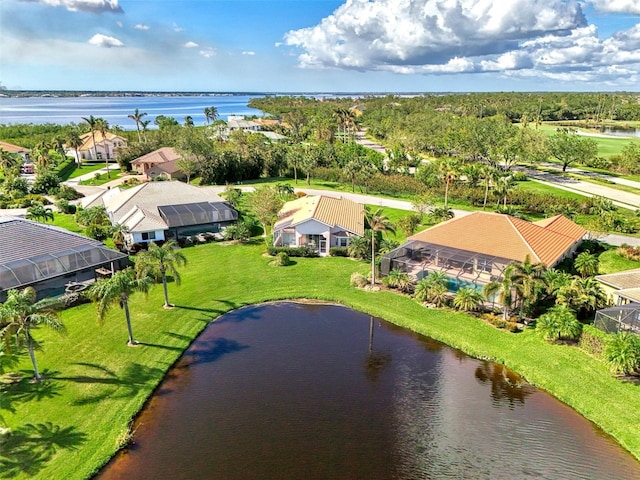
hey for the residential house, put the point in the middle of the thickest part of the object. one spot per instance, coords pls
(475, 249)
(318, 222)
(16, 149)
(47, 257)
(159, 163)
(158, 211)
(622, 287)
(101, 150)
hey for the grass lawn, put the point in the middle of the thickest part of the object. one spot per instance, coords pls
(69, 425)
(611, 262)
(86, 168)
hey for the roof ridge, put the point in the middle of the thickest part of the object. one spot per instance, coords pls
(511, 219)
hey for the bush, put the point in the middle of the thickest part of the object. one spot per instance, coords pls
(240, 232)
(628, 252)
(64, 206)
(338, 252)
(47, 183)
(281, 260)
(65, 168)
(622, 353)
(292, 251)
(592, 340)
(66, 192)
(519, 177)
(358, 280)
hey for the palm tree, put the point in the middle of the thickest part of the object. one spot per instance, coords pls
(586, 264)
(74, 141)
(377, 223)
(42, 156)
(622, 353)
(117, 289)
(137, 116)
(158, 261)
(20, 314)
(188, 121)
(210, 114)
(9, 163)
(467, 299)
(103, 127)
(503, 187)
(584, 295)
(38, 211)
(91, 121)
(559, 323)
(528, 280)
(118, 232)
(448, 168)
(488, 175)
(504, 289)
(398, 279)
(433, 288)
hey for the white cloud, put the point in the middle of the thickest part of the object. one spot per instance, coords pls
(191, 45)
(141, 26)
(208, 52)
(100, 40)
(177, 28)
(119, 24)
(617, 6)
(247, 52)
(96, 6)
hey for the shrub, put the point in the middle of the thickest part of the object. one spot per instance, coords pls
(622, 353)
(292, 251)
(592, 340)
(338, 252)
(65, 192)
(559, 323)
(64, 206)
(281, 260)
(46, 183)
(628, 252)
(240, 232)
(358, 280)
(519, 177)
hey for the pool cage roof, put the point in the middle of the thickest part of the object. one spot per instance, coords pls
(31, 252)
(198, 213)
(417, 257)
(622, 318)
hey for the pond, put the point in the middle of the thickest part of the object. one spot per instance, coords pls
(290, 391)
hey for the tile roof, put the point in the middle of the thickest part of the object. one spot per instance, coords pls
(9, 147)
(621, 280)
(563, 226)
(501, 236)
(161, 155)
(87, 139)
(335, 212)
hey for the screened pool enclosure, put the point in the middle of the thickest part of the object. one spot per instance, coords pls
(622, 318)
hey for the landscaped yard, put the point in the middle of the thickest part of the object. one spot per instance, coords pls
(73, 422)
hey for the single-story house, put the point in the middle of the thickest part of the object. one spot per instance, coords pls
(318, 222)
(621, 287)
(158, 211)
(16, 149)
(47, 257)
(474, 249)
(238, 122)
(159, 163)
(101, 149)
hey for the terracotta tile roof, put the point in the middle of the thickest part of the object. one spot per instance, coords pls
(8, 147)
(621, 280)
(501, 236)
(161, 155)
(335, 212)
(563, 226)
(87, 139)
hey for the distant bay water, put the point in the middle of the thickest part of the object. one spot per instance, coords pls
(65, 110)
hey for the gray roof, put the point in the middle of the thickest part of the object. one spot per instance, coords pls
(31, 252)
(621, 280)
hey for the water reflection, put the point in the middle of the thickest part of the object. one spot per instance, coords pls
(506, 386)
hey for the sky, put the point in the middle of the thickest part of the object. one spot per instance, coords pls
(320, 45)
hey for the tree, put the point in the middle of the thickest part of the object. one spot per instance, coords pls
(488, 175)
(467, 299)
(398, 279)
(568, 147)
(378, 223)
(20, 314)
(449, 172)
(504, 290)
(117, 289)
(586, 264)
(359, 247)
(188, 121)
(503, 186)
(158, 261)
(137, 117)
(622, 353)
(210, 114)
(42, 156)
(102, 126)
(91, 121)
(74, 141)
(559, 323)
(584, 295)
(265, 202)
(9, 163)
(433, 288)
(408, 224)
(38, 212)
(295, 157)
(528, 280)
(188, 166)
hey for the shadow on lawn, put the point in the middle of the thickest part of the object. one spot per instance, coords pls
(26, 391)
(26, 451)
(127, 383)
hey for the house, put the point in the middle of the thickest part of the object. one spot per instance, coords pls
(103, 148)
(159, 163)
(622, 287)
(17, 150)
(238, 122)
(318, 222)
(158, 211)
(47, 257)
(475, 249)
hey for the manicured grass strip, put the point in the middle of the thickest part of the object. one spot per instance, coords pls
(97, 384)
(86, 168)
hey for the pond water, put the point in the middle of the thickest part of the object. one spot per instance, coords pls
(291, 391)
(621, 132)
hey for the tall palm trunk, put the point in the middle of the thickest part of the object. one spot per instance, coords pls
(32, 356)
(373, 257)
(486, 195)
(125, 305)
(164, 287)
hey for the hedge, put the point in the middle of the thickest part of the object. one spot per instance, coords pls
(292, 251)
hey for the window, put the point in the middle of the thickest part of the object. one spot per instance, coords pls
(343, 241)
(148, 235)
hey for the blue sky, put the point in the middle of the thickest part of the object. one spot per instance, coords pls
(320, 45)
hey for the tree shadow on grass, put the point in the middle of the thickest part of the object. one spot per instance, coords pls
(26, 391)
(231, 305)
(28, 448)
(126, 384)
(164, 347)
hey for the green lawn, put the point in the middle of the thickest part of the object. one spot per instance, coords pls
(86, 168)
(68, 426)
(611, 262)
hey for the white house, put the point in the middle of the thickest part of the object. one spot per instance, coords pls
(318, 222)
(102, 149)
